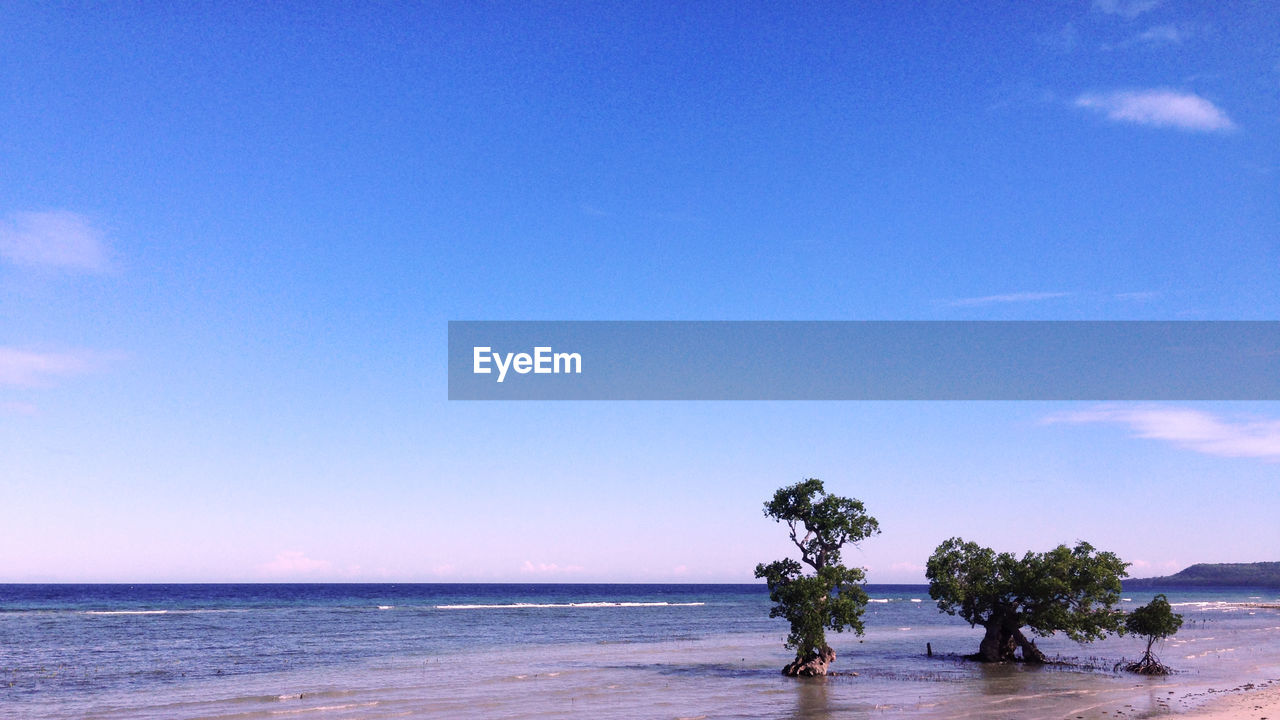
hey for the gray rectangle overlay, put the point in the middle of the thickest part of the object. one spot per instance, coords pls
(865, 360)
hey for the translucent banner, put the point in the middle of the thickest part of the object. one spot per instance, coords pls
(658, 360)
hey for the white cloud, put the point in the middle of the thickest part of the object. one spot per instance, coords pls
(53, 239)
(1007, 298)
(24, 368)
(1125, 8)
(1159, 108)
(1194, 430)
(1147, 567)
(293, 563)
(530, 568)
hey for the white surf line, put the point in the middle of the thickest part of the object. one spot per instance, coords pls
(175, 611)
(126, 612)
(518, 606)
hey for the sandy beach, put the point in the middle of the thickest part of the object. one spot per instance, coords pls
(1248, 701)
(1251, 702)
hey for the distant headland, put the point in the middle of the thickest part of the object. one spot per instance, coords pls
(1259, 574)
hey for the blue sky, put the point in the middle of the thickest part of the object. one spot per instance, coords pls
(231, 238)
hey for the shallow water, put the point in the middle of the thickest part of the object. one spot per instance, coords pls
(534, 651)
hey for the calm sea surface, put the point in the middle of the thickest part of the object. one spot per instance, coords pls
(545, 651)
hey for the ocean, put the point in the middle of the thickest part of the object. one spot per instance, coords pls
(549, 651)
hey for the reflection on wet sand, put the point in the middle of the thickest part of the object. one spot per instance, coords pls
(813, 700)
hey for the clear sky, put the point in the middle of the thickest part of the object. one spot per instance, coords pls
(231, 237)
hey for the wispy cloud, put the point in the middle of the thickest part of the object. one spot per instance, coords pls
(1159, 108)
(1154, 37)
(1194, 430)
(1125, 8)
(1137, 296)
(27, 368)
(17, 408)
(1141, 568)
(56, 239)
(1063, 40)
(532, 568)
(1162, 35)
(293, 563)
(1007, 298)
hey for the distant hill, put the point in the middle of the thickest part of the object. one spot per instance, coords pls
(1259, 574)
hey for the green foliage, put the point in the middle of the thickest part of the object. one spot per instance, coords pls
(1069, 590)
(1154, 621)
(831, 597)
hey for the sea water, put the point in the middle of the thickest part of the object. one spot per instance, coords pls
(548, 651)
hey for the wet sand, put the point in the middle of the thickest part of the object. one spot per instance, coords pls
(1248, 701)
(1256, 702)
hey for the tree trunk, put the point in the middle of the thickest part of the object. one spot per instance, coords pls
(812, 665)
(998, 644)
(1030, 653)
(1001, 643)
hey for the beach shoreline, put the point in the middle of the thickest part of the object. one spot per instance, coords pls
(1259, 701)
(1241, 700)
(618, 651)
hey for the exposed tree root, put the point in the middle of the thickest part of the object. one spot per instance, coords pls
(1149, 665)
(814, 665)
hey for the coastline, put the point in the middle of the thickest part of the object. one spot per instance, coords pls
(436, 651)
(1257, 701)
(1247, 700)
